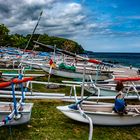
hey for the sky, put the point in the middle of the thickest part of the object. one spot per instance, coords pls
(97, 25)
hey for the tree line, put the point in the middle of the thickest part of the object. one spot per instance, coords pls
(20, 41)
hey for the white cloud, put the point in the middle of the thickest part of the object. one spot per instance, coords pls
(65, 18)
(72, 8)
(92, 26)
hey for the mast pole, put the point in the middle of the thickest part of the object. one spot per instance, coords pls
(33, 31)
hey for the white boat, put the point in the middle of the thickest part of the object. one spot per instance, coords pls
(103, 114)
(131, 87)
(17, 112)
(77, 74)
(97, 73)
(33, 64)
(107, 87)
(6, 109)
(100, 114)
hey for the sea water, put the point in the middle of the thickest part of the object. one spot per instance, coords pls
(126, 59)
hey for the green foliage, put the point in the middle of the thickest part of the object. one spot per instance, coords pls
(20, 41)
(61, 43)
(3, 35)
(3, 30)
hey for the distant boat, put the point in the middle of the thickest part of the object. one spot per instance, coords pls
(78, 74)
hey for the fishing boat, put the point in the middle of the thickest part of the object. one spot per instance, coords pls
(73, 71)
(8, 118)
(102, 114)
(131, 87)
(16, 112)
(99, 75)
(108, 87)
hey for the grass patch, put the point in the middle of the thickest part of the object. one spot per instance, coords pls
(48, 123)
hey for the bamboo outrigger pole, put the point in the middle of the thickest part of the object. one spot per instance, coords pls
(33, 31)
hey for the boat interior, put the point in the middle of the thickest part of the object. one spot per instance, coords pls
(9, 107)
(109, 108)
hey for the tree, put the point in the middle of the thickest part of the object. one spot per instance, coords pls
(3, 34)
(18, 41)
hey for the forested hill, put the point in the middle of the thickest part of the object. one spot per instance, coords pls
(20, 41)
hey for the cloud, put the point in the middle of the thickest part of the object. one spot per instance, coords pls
(66, 18)
(63, 18)
(59, 17)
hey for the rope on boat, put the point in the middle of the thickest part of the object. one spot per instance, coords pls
(8, 118)
(17, 106)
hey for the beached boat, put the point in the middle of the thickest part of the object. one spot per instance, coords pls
(68, 71)
(73, 71)
(107, 87)
(7, 76)
(95, 74)
(103, 114)
(131, 87)
(17, 112)
(8, 118)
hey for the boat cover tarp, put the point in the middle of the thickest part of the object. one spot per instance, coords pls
(66, 67)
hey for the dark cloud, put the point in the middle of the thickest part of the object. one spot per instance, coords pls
(60, 18)
(5, 11)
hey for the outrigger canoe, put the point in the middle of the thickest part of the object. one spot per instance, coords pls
(15, 113)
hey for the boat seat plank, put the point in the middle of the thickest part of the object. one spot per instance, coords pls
(92, 108)
(10, 108)
(96, 109)
(5, 108)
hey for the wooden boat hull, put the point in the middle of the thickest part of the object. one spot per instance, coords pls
(25, 113)
(99, 118)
